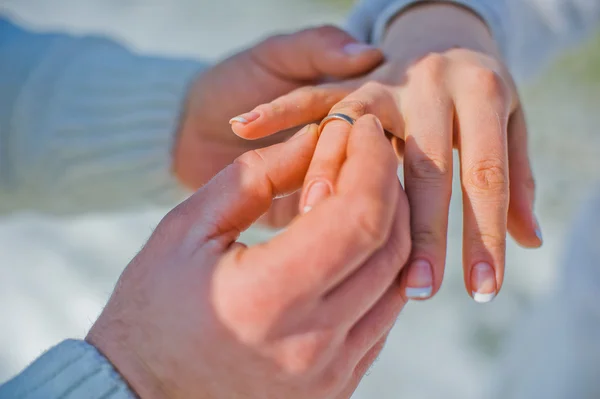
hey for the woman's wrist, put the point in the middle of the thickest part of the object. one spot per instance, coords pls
(436, 27)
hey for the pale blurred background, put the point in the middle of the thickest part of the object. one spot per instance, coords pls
(56, 273)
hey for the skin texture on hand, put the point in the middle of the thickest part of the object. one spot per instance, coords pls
(442, 86)
(198, 315)
(274, 67)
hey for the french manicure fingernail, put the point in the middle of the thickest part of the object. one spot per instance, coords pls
(315, 192)
(245, 118)
(483, 282)
(419, 280)
(355, 48)
(538, 231)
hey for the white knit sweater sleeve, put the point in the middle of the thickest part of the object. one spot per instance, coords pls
(72, 369)
(529, 32)
(85, 124)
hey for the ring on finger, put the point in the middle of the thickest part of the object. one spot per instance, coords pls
(343, 117)
(337, 116)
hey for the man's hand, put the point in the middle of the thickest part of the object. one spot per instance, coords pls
(198, 315)
(443, 85)
(278, 65)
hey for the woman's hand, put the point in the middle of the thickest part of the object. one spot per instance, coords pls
(198, 315)
(447, 89)
(276, 66)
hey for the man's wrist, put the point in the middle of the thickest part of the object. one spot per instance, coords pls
(122, 357)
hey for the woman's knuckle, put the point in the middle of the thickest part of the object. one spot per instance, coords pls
(373, 86)
(355, 107)
(305, 97)
(432, 67)
(487, 175)
(277, 108)
(429, 169)
(488, 82)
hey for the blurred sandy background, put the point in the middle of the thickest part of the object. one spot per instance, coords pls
(55, 274)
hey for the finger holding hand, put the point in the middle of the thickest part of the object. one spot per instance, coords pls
(330, 152)
(357, 217)
(356, 295)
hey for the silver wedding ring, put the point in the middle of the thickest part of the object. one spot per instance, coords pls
(343, 117)
(338, 116)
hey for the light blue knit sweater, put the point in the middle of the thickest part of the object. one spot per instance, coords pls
(86, 123)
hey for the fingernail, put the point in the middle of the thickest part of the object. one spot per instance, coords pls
(245, 118)
(483, 282)
(538, 231)
(315, 192)
(419, 280)
(355, 48)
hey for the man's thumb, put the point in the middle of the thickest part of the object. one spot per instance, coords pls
(242, 192)
(315, 53)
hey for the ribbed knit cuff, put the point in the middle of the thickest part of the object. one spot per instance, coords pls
(94, 126)
(71, 370)
(490, 11)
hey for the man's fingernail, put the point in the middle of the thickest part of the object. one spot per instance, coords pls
(419, 280)
(316, 191)
(355, 48)
(538, 231)
(483, 282)
(245, 118)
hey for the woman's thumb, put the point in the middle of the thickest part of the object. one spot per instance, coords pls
(315, 53)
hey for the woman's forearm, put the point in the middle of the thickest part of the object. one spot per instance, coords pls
(85, 124)
(370, 19)
(528, 33)
(433, 27)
